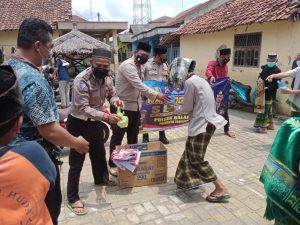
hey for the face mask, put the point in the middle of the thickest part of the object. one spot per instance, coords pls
(271, 64)
(141, 59)
(298, 63)
(163, 60)
(226, 61)
(100, 73)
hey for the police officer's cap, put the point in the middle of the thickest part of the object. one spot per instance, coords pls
(160, 50)
(144, 46)
(225, 51)
(100, 52)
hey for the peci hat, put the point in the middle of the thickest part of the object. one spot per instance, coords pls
(144, 46)
(225, 51)
(160, 50)
(11, 99)
(272, 56)
(100, 52)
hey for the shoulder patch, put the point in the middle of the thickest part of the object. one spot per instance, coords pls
(83, 86)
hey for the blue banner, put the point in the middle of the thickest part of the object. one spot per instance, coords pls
(155, 115)
(221, 90)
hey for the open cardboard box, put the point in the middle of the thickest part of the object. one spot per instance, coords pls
(152, 167)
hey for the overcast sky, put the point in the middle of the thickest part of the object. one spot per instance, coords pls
(122, 10)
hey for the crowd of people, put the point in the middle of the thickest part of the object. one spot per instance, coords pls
(30, 132)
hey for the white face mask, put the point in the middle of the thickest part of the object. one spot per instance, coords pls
(298, 63)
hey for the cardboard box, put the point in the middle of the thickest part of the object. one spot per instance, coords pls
(152, 167)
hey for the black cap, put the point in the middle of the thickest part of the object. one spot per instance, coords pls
(144, 46)
(160, 50)
(100, 52)
(11, 99)
(225, 51)
(272, 56)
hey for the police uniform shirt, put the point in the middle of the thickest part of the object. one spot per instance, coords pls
(154, 71)
(129, 85)
(89, 95)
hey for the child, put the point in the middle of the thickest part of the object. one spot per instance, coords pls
(26, 171)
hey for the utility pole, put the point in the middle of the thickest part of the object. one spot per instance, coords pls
(91, 9)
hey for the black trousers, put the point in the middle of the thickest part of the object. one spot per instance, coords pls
(226, 117)
(118, 133)
(53, 198)
(92, 131)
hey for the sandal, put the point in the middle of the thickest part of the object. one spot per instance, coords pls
(77, 208)
(230, 134)
(270, 127)
(113, 171)
(216, 198)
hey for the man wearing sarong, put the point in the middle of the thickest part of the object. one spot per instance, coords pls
(264, 121)
(294, 99)
(216, 69)
(281, 177)
(199, 102)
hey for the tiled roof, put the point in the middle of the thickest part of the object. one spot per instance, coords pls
(180, 17)
(239, 12)
(162, 19)
(76, 18)
(13, 12)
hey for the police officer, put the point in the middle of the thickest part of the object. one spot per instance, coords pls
(129, 88)
(91, 88)
(157, 69)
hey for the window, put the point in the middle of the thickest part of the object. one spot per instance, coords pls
(247, 49)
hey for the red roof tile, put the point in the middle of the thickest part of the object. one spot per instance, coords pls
(13, 12)
(239, 12)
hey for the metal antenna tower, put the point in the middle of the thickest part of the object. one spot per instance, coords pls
(141, 11)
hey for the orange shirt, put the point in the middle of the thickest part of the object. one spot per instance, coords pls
(26, 173)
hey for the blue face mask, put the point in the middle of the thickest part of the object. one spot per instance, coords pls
(271, 64)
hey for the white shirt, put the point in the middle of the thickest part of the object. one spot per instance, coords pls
(199, 102)
(295, 73)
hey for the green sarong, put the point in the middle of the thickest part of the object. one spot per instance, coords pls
(280, 175)
(263, 119)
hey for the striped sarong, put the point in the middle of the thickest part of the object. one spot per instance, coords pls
(193, 170)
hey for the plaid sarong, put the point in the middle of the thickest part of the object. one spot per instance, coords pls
(263, 119)
(192, 169)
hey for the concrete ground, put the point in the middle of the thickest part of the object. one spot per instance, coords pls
(237, 162)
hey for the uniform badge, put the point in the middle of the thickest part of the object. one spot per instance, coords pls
(83, 86)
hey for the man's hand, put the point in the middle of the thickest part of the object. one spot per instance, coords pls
(163, 97)
(212, 80)
(270, 78)
(114, 118)
(119, 103)
(82, 146)
(286, 91)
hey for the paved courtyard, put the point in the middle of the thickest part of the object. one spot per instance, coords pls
(237, 162)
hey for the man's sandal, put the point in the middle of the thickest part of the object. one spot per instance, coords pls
(77, 208)
(218, 198)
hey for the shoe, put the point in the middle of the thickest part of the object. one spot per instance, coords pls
(145, 139)
(164, 140)
(109, 183)
(270, 127)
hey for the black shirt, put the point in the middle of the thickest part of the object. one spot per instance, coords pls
(270, 92)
